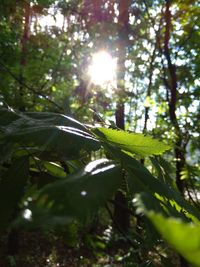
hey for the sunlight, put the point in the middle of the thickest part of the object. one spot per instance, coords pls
(103, 69)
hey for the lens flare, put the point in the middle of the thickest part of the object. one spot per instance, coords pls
(103, 69)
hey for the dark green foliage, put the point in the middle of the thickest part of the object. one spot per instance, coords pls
(12, 188)
(63, 191)
(48, 133)
(80, 194)
(45, 184)
(51, 118)
(64, 141)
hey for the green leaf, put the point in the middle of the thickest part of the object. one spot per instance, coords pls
(80, 194)
(141, 180)
(51, 118)
(131, 142)
(11, 190)
(55, 169)
(163, 168)
(183, 237)
(64, 141)
(7, 116)
(51, 136)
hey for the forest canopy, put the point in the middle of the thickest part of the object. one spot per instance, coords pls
(99, 133)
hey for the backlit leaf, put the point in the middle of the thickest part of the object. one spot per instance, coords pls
(64, 141)
(132, 142)
(141, 180)
(183, 237)
(80, 194)
(51, 118)
(55, 169)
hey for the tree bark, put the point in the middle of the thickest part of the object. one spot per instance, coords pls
(26, 31)
(172, 99)
(122, 43)
(121, 217)
(151, 67)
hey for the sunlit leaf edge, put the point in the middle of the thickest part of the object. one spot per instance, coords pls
(134, 143)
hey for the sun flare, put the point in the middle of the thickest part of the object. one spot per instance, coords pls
(103, 69)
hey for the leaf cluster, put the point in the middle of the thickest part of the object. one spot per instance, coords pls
(48, 178)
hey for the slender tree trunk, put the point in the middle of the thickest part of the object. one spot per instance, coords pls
(122, 43)
(24, 40)
(172, 99)
(121, 217)
(171, 86)
(151, 67)
(146, 111)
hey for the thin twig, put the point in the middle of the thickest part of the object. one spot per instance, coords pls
(28, 87)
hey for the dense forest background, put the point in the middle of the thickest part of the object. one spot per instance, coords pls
(99, 133)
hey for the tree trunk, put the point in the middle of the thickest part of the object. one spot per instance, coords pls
(172, 99)
(121, 217)
(122, 43)
(24, 40)
(151, 68)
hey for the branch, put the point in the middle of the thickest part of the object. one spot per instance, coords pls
(171, 67)
(57, 65)
(28, 87)
(185, 40)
